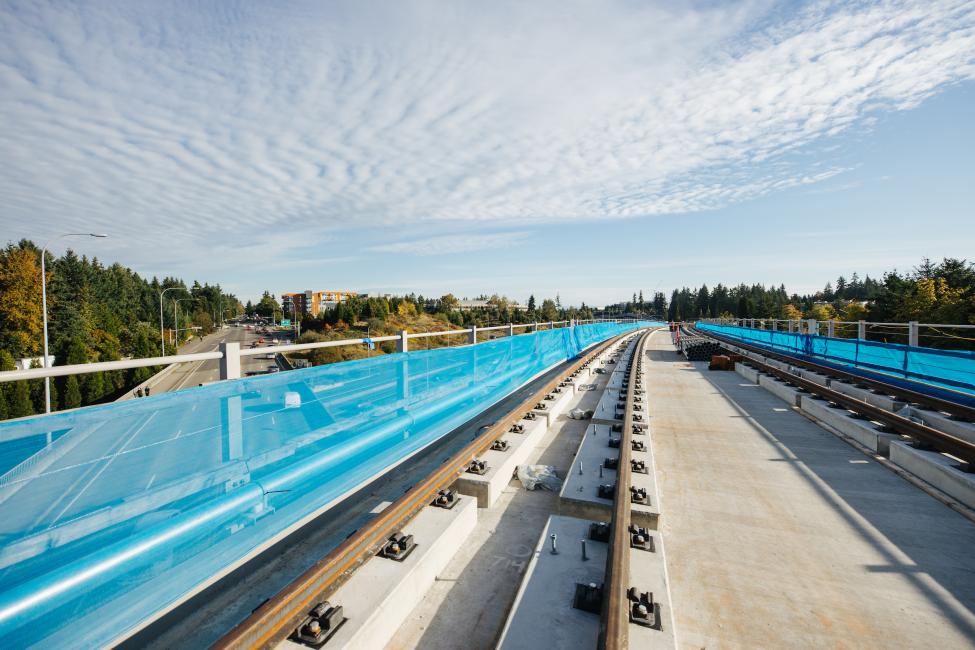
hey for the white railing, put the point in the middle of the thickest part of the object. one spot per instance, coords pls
(912, 330)
(230, 354)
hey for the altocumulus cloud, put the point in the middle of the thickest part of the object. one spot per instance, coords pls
(191, 126)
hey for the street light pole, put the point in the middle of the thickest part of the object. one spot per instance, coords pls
(162, 336)
(176, 321)
(47, 380)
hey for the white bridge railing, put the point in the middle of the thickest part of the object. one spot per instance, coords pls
(230, 354)
(863, 330)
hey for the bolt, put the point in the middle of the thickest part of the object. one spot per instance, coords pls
(585, 558)
(555, 550)
(314, 628)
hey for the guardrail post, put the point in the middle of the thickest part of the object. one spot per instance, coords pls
(572, 322)
(403, 344)
(230, 361)
(862, 330)
(912, 333)
(775, 325)
(511, 329)
(551, 325)
(812, 326)
(472, 335)
(831, 329)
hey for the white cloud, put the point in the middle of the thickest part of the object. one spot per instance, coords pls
(191, 131)
(451, 244)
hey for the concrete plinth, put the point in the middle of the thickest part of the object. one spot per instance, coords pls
(942, 472)
(865, 432)
(580, 491)
(381, 594)
(779, 389)
(814, 377)
(941, 422)
(865, 395)
(747, 372)
(542, 615)
(775, 363)
(648, 572)
(606, 411)
(486, 488)
(555, 407)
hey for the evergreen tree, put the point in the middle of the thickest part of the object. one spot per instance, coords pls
(20, 404)
(72, 392)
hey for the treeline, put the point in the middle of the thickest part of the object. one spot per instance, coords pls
(95, 313)
(380, 316)
(936, 293)
(375, 311)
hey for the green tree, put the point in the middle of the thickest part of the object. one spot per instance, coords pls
(549, 310)
(72, 392)
(447, 303)
(20, 304)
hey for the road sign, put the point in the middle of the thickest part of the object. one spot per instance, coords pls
(285, 322)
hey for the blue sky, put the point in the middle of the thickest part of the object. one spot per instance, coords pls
(586, 149)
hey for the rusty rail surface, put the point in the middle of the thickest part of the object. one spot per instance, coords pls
(940, 440)
(275, 619)
(615, 616)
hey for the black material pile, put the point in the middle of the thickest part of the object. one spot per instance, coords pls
(697, 348)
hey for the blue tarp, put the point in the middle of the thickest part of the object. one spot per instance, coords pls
(951, 369)
(111, 513)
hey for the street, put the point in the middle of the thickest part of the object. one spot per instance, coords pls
(202, 372)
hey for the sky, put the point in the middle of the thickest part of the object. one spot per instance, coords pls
(585, 149)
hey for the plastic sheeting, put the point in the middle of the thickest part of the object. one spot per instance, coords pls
(953, 369)
(109, 514)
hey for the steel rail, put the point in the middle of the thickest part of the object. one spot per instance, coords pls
(924, 399)
(274, 621)
(614, 620)
(940, 440)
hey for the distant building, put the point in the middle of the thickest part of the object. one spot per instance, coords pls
(467, 305)
(313, 302)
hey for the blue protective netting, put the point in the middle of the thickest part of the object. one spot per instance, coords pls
(950, 369)
(109, 514)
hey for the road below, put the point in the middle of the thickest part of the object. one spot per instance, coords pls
(186, 375)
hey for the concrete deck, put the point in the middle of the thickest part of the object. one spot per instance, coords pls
(779, 534)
